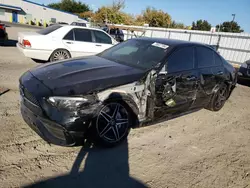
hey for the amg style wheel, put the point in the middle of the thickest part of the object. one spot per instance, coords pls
(112, 124)
(219, 98)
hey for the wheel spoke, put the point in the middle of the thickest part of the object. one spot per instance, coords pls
(106, 116)
(116, 111)
(116, 132)
(121, 121)
(105, 130)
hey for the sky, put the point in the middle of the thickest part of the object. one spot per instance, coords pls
(186, 11)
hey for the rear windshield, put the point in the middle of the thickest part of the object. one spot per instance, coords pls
(49, 29)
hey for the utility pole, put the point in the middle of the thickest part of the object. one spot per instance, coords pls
(232, 21)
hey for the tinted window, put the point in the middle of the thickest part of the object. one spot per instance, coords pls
(79, 24)
(83, 35)
(181, 60)
(205, 57)
(113, 31)
(101, 37)
(217, 59)
(69, 36)
(49, 29)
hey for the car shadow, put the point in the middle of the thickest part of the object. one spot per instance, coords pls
(8, 43)
(103, 168)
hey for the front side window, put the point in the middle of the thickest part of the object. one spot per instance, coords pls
(181, 60)
(205, 57)
(49, 29)
(83, 35)
(101, 37)
(69, 36)
(217, 59)
(137, 53)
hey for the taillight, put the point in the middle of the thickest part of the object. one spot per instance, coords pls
(2, 27)
(26, 43)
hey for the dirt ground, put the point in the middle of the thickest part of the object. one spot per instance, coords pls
(202, 149)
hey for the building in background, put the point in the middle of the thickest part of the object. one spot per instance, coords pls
(28, 12)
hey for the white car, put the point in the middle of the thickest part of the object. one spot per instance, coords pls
(59, 42)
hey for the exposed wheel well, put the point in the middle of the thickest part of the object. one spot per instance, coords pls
(130, 105)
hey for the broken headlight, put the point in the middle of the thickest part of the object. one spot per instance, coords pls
(69, 103)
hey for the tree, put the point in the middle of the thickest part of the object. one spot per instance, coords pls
(113, 14)
(229, 27)
(177, 25)
(155, 18)
(202, 25)
(88, 14)
(70, 6)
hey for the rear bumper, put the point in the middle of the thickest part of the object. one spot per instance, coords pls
(48, 130)
(35, 53)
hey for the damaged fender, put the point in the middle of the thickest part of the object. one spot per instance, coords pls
(134, 94)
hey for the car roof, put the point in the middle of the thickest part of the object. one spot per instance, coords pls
(171, 42)
(80, 27)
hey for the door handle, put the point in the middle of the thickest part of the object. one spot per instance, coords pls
(191, 78)
(98, 45)
(220, 73)
(69, 42)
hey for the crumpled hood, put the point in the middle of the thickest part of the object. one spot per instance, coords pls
(85, 75)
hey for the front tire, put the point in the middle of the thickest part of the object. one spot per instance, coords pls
(59, 54)
(219, 98)
(112, 124)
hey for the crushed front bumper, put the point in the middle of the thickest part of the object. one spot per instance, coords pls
(50, 131)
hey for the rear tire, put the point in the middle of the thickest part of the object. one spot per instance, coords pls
(59, 54)
(219, 98)
(112, 124)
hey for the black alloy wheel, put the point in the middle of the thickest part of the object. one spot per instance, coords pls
(219, 98)
(113, 124)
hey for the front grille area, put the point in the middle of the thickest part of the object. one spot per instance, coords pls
(28, 95)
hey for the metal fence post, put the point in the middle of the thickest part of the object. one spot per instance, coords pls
(218, 42)
(190, 35)
(169, 35)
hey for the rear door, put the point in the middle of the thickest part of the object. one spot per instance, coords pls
(80, 42)
(102, 41)
(177, 86)
(211, 73)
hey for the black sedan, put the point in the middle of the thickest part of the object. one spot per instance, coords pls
(135, 83)
(244, 71)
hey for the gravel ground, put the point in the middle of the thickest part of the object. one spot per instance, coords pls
(202, 149)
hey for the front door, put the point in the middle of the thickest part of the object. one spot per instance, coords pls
(176, 88)
(14, 17)
(102, 40)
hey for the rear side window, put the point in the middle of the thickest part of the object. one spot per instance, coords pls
(69, 36)
(217, 59)
(101, 37)
(83, 35)
(49, 29)
(205, 57)
(181, 60)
